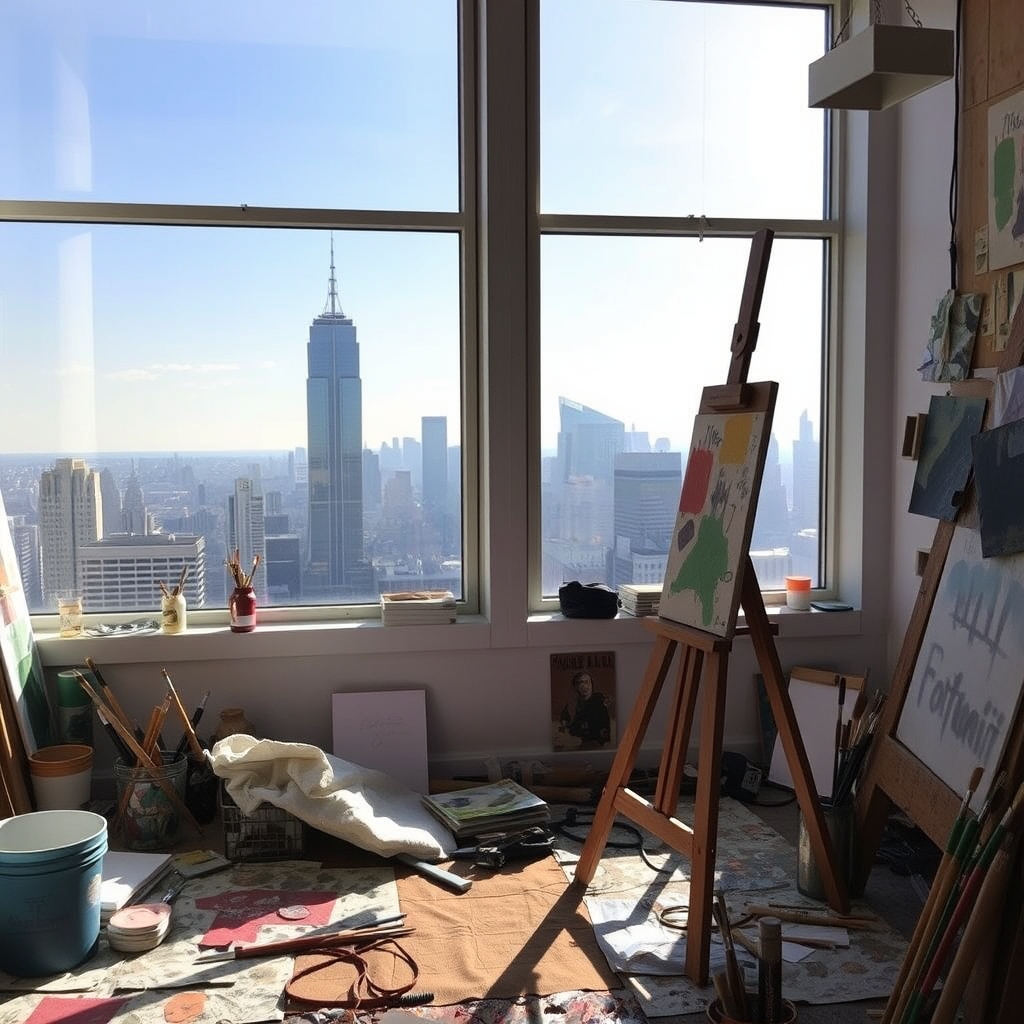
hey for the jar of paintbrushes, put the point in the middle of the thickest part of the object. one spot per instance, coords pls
(242, 602)
(173, 611)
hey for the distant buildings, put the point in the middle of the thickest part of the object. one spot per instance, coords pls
(123, 573)
(646, 489)
(247, 530)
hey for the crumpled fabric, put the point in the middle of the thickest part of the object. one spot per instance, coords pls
(363, 806)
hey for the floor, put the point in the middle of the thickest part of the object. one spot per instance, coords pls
(896, 890)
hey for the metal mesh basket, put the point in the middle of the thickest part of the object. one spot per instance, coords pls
(269, 833)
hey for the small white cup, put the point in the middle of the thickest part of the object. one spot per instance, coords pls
(61, 777)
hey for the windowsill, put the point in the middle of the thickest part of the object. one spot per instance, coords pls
(306, 639)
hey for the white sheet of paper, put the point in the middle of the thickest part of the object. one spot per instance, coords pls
(814, 705)
(385, 730)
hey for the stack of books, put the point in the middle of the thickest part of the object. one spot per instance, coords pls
(127, 876)
(502, 806)
(417, 607)
(640, 598)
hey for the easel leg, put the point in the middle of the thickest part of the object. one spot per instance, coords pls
(625, 757)
(673, 758)
(705, 818)
(789, 735)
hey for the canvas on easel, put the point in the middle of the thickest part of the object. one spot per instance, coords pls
(716, 510)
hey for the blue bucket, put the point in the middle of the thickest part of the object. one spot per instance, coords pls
(51, 867)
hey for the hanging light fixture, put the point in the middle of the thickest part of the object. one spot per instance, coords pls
(881, 66)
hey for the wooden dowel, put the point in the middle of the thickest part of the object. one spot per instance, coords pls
(186, 721)
(813, 917)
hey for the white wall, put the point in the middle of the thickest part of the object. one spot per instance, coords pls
(922, 237)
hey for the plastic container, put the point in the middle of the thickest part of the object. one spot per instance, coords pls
(61, 776)
(74, 708)
(151, 818)
(798, 593)
(51, 867)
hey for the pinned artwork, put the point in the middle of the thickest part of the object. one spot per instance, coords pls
(967, 680)
(716, 508)
(1006, 178)
(944, 465)
(954, 327)
(999, 478)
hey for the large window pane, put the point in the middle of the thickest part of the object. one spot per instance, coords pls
(632, 330)
(671, 108)
(298, 387)
(310, 103)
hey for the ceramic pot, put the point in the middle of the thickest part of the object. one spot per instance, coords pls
(242, 606)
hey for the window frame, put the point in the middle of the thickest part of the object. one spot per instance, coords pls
(501, 229)
(829, 229)
(462, 222)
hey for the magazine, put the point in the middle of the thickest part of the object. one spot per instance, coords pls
(491, 807)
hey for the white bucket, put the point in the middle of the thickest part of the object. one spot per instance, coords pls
(61, 776)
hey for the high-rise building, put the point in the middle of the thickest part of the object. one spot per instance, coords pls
(70, 516)
(124, 572)
(246, 529)
(335, 563)
(134, 515)
(434, 453)
(647, 487)
(111, 494)
(806, 477)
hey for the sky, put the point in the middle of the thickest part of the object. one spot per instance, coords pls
(146, 339)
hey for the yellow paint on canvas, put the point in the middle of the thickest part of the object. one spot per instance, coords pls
(736, 442)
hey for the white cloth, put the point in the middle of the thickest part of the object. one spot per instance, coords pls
(365, 807)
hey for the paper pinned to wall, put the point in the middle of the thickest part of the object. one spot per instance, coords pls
(385, 730)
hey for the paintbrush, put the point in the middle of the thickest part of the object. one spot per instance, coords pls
(285, 947)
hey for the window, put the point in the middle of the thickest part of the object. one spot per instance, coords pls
(242, 267)
(233, 282)
(669, 132)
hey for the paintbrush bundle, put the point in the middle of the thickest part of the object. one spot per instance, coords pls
(418, 607)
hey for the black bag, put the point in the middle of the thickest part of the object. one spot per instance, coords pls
(593, 601)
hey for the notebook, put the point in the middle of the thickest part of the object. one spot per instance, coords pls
(127, 873)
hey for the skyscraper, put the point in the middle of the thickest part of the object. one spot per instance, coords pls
(70, 516)
(334, 416)
(647, 486)
(246, 531)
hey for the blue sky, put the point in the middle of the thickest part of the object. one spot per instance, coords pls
(146, 339)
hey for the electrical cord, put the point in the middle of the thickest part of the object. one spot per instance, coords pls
(574, 817)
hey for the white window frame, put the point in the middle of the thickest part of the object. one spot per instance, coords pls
(501, 471)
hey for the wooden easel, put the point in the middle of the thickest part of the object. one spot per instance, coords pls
(703, 659)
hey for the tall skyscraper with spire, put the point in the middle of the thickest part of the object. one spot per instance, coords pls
(335, 563)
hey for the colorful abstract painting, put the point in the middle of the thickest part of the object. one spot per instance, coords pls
(712, 531)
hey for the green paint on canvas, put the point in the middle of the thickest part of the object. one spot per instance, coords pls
(1004, 171)
(705, 566)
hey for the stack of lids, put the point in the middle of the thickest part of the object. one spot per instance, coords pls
(138, 928)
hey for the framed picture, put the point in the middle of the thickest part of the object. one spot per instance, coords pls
(583, 701)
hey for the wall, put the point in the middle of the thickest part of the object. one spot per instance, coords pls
(992, 45)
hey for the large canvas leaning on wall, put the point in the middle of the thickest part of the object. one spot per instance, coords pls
(711, 539)
(967, 680)
(21, 671)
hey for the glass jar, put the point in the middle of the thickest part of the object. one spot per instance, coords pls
(242, 606)
(173, 613)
